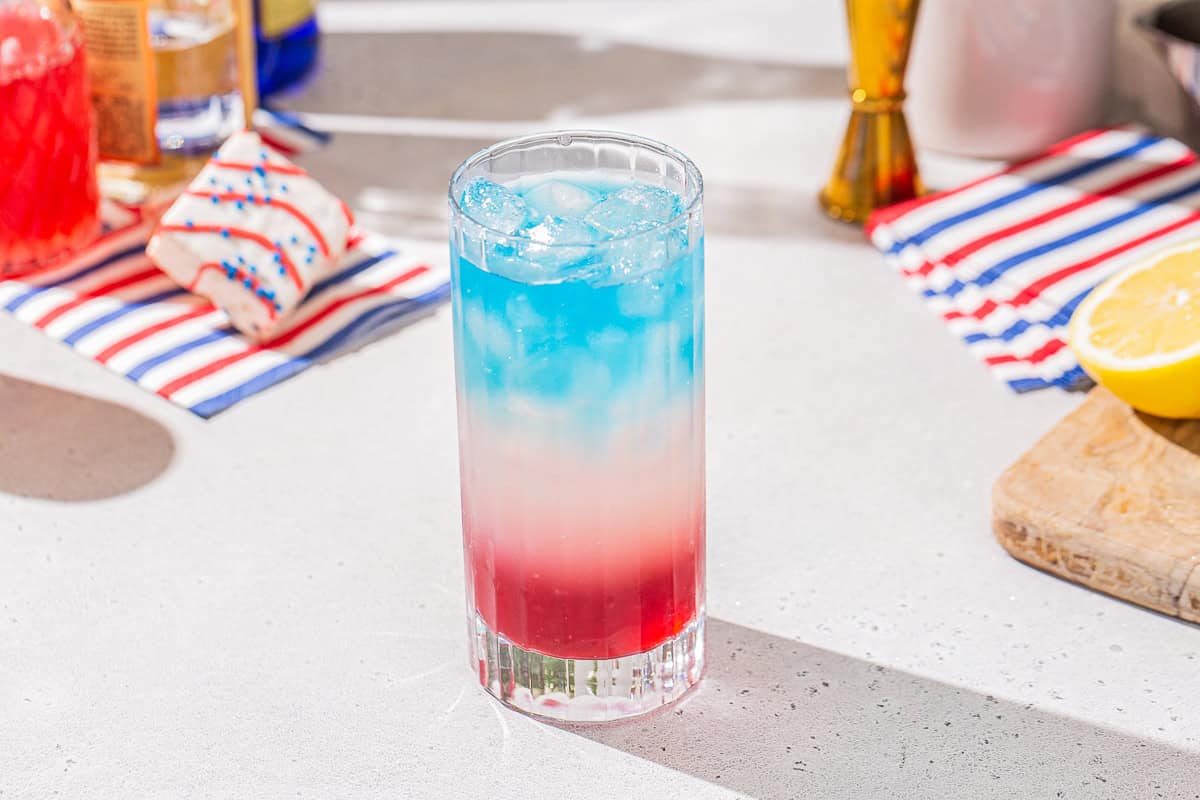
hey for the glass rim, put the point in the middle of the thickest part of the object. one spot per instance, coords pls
(694, 177)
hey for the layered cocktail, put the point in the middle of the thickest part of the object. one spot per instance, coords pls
(578, 307)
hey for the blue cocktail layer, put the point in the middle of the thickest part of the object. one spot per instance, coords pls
(580, 305)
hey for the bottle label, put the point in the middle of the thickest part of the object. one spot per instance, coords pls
(122, 76)
(277, 17)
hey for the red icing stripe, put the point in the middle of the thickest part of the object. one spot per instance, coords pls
(241, 277)
(288, 336)
(275, 203)
(92, 294)
(145, 333)
(240, 233)
(267, 166)
(347, 212)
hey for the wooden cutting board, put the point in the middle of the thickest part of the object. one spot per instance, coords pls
(1110, 498)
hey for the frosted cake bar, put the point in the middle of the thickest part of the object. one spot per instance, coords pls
(252, 233)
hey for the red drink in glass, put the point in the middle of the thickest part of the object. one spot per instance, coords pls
(49, 199)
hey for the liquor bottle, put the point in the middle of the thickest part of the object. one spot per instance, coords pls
(286, 36)
(171, 80)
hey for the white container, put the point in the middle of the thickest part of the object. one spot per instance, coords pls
(1007, 78)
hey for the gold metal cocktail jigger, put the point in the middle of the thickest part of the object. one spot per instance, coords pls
(875, 166)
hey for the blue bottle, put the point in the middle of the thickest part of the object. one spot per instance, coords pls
(286, 35)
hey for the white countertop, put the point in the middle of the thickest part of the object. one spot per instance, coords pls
(270, 604)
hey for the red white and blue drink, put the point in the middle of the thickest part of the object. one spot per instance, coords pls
(578, 309)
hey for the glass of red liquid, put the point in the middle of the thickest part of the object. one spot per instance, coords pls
(578, 289)
(49, 200)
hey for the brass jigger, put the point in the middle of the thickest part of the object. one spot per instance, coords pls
(875, 165)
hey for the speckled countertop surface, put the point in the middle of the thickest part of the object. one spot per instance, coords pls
(270, 605)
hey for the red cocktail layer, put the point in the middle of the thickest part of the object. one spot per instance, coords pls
(48, 194)
(586, 548)
(576, 604)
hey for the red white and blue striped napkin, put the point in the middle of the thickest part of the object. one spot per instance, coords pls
(113, 305)
(1006, 259)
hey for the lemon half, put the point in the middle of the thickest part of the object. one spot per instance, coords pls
(1138, 333)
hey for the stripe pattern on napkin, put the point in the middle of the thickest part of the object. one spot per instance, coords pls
(114, 306)
(1005, 260)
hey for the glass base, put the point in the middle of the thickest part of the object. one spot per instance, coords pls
(588, 690)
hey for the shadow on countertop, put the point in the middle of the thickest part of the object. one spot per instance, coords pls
(397, 183)
(411, 202)
(505, 76)
(58, 445)
(779, 719)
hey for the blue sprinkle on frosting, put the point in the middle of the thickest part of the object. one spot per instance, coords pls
(225, 232)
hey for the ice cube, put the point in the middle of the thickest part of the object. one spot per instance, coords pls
(494, 206)
(633, 209)
(645, 297)
(492, 335)
(628, 260)
(532, 263)
(655, 202)
(557, 198)
(515, 268)
(615, 217)
(553, 243)
(521, 314)
(556, 230)
(569, 375)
